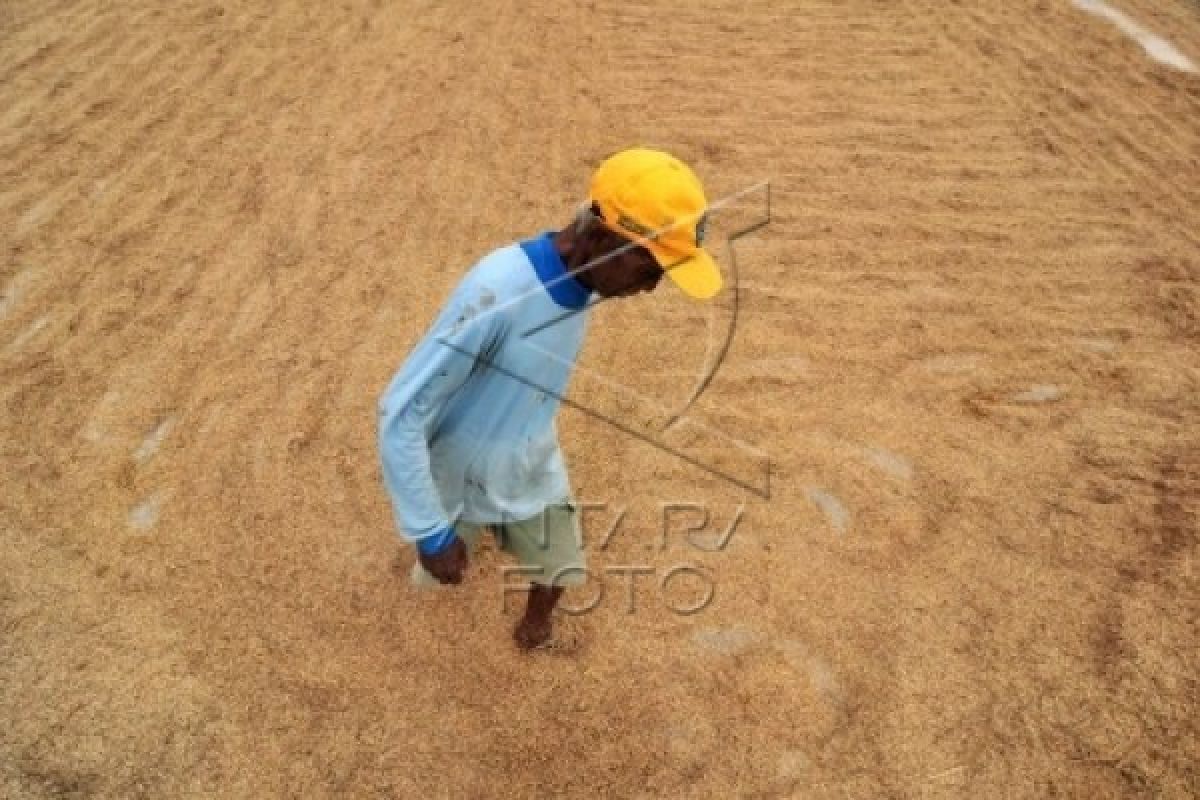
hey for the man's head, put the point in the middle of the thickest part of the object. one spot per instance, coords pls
(605, 262)
(645, 218)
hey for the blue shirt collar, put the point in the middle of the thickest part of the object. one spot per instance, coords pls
(548, 264)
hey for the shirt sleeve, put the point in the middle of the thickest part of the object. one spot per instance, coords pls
(434, 371)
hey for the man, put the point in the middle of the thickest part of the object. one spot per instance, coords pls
(466, 428)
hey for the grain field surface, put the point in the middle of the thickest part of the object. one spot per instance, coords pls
(968, 343)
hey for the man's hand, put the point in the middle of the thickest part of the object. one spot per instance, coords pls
(449, 564)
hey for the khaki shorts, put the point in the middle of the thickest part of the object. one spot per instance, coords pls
(549, 547)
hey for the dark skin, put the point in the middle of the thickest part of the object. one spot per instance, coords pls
(607, 263)
(611, 266)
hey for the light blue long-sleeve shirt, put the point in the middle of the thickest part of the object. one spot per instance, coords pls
(466, 427)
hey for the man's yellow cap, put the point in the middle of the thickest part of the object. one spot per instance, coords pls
(652, 198)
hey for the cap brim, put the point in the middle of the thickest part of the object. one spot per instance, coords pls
(697, 277)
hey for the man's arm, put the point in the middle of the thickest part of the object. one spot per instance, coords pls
(436, 368)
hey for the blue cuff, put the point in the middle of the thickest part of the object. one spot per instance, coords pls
(437, 542)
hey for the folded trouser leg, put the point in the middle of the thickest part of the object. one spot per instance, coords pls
(549, 547)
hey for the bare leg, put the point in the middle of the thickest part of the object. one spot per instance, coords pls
(536, 626)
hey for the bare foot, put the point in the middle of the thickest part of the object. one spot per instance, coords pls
(532, 633)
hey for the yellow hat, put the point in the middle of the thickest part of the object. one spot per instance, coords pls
(652, 198)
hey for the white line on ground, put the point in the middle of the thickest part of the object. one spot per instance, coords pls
(831, 507)
(1155, 46)
(12, 293)
(24, 337)
(149, 445)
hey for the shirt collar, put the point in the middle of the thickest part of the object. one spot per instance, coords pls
(562, 287)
